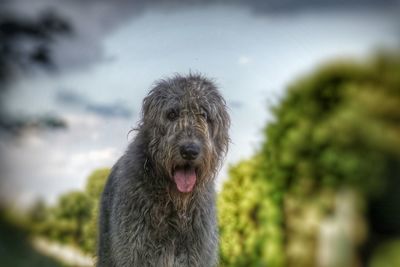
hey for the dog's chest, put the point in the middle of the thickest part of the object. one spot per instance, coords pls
(173, 225)
(173, 237)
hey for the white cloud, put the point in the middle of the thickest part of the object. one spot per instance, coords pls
(244, 60)
(82, 120)
(99, 157)
(46, 164)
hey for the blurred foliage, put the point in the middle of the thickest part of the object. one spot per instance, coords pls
(327, 169)
(387, 255)
(16, 249)
(94, 189)
(73, 220)
(248, 218)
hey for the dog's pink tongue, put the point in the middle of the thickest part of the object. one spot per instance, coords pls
(185, 179)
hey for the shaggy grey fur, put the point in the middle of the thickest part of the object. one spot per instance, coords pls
(146, 219)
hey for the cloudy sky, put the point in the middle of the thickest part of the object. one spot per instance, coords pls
(252, 49)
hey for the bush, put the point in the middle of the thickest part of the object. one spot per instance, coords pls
(328, 167)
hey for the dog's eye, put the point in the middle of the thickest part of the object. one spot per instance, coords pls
(172, 115)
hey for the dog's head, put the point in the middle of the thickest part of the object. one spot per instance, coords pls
(186, 124)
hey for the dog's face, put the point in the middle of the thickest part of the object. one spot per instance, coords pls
(187, 124)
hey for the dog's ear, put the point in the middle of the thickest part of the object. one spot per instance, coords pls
(147, 105)
(221, 125)
(151, 107)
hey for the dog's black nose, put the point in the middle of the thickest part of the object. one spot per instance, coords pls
(190, 151)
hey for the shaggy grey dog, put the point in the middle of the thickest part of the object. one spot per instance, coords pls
(158, 206)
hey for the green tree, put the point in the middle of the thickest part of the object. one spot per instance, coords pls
(250, 233)
(71, 214)
(94, 189)
(37, 215)
(73, 220)
(330, 161)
